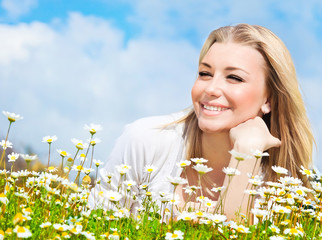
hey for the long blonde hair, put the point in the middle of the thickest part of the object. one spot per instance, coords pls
(287, 120)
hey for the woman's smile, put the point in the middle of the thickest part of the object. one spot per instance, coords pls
(213, 109)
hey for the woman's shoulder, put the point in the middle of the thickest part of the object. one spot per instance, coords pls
(157, 124)
(151, 139)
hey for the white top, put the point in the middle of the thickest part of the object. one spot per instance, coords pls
(145, 142)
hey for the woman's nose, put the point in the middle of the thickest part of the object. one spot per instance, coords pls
(214, 87)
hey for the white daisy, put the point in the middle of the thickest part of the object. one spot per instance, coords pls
(279, 170)
(217, 218)
(5, 144)
(199, 160)
(93, 128)
(239, 156)
(177, 234)
(258, 154)
(112, 196)
(150, 168)
(13, 157)
(12, 117)
(79, 144)
(217, 189)
(176, 180)
(28, 158)
(94, 141)
(186, 216)
(63, 153)
(97, 162)
(22, 232)
(306, 172)
(123, 168)
(49, 139)
(202, 169)
(231, 171)
(183, 163)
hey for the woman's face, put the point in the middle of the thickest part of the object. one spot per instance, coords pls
(230, 87)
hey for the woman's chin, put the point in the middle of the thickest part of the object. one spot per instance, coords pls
(207, 128)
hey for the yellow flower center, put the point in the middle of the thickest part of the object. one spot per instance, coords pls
(300, 192)
(174, 235)
(199, 214)
(28, 210)
(79, 146)
(21, 229)
(293, 231)
(11, 119)
(79, 167)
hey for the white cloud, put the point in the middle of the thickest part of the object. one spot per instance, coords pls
(17, 8)
(63, 75)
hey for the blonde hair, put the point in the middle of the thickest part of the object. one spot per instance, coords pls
(287, 120)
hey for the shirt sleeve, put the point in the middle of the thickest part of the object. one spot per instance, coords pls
(143, 142)
(129, 150)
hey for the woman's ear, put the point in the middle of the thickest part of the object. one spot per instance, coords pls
(266, 108)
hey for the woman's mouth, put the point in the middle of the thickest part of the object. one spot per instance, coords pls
(214, 108)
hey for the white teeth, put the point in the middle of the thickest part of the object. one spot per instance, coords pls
(211, 108)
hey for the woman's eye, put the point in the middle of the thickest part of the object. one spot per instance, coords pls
(235, 78)
(204, 74)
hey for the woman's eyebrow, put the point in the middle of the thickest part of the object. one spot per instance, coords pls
(236, 68)
(205, 64)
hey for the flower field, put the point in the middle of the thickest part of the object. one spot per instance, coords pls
(48, 204)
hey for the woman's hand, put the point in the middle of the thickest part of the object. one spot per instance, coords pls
(252, 135)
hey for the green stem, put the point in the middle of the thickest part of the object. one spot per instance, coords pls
(62, 164)
(48, 156)
(78, 174)
(4, 151)
(92, 156)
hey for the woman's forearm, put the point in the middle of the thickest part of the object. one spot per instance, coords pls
(236, 200)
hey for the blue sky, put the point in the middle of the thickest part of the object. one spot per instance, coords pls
(64, 64)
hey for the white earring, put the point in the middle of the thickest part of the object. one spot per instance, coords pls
(265, 109)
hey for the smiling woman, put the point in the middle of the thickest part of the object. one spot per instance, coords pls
(245, 98)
